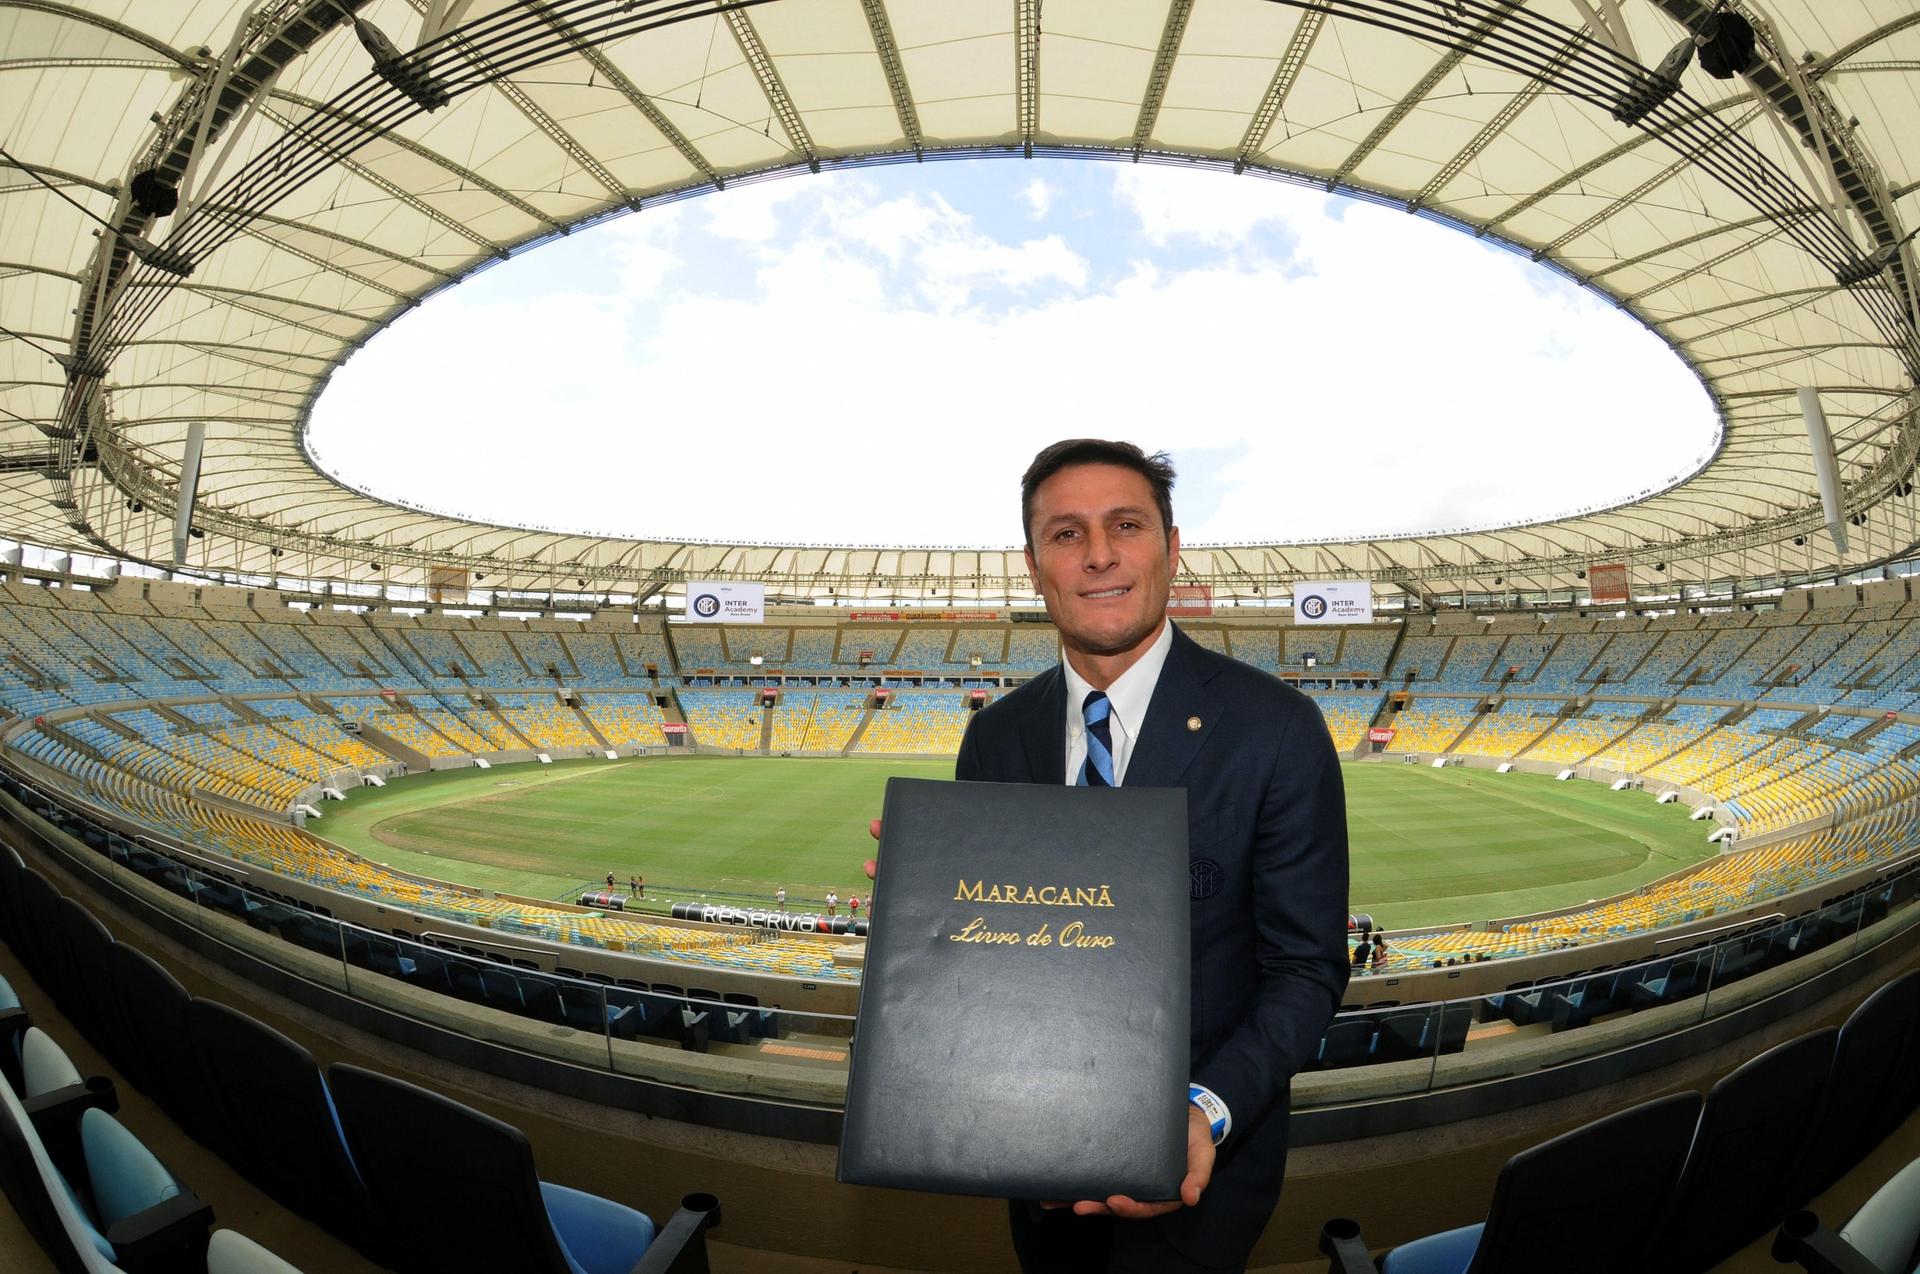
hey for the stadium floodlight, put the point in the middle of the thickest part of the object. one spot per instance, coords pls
(1725, 41)
(1866, 269)
(391, 65)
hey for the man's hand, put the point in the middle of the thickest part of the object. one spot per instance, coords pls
(1199, 1173)
(873, 829)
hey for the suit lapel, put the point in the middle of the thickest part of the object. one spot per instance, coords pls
(1169, 739)
(1044, 732)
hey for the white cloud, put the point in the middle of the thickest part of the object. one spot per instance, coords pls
(751, 214)
(1391, 375)
(643, 245)
(1039, 197)
(1202, 205)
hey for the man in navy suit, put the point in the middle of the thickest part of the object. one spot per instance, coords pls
(1136, 702)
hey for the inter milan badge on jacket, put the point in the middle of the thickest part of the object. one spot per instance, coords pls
(1205, 875)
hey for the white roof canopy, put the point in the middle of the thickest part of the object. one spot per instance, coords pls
(320, 199)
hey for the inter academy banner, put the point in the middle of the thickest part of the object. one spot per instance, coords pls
(1333, 602)
(720, 603)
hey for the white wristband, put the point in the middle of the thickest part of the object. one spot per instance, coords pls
(1219, 1118)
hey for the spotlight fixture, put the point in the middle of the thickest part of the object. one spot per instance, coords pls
(152, 193)
(1659, 566)
(1726, 44)
(1904, 489)
(373, 566)
(1581, 573)
(196, 533)
(391, 65)
(582, 583)
(1799, 541)
(1498, 580)
(276, 552)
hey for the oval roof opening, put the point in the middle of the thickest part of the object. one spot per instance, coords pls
(873, 357)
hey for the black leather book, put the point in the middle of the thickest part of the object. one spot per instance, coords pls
(1023, 1018)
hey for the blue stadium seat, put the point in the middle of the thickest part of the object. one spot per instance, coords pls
(458, 1191)
(1753, 1128)
(298, 1154)
(1586, 1202)
(231, 1252)
(1860, 1108)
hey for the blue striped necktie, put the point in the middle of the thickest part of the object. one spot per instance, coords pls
(1098, 770)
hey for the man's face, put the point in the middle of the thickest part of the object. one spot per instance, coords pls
(1101, 558)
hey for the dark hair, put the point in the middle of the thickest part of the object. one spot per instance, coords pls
(1157, 469)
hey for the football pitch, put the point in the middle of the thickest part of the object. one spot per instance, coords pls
(1429, 846)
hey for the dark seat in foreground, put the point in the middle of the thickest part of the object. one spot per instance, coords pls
(277, 1121)
(1586, 1202)
(458, 1191)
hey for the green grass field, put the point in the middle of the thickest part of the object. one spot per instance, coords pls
(1429, 846)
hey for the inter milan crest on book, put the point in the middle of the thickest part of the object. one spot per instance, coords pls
(1023, 1018)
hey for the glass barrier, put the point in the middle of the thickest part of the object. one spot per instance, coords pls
(1390, 1049)
(497, 991)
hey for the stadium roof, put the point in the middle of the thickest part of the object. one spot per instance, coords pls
(333, 175)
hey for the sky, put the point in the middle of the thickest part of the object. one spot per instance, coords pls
(873, 357)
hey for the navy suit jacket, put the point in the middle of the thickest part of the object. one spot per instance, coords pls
(1267, 857)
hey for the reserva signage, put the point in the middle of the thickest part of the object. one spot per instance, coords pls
(759, 918)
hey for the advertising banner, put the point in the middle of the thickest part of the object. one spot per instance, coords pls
(1608, 583)
(1333, 602)
(1380, 734)
(718, 603)
(447, 586)
(1190, 600)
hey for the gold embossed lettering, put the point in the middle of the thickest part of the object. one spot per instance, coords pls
(968, 893)
(975, 930)
(1073, 934)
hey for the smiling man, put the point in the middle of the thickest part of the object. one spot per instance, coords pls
(1135, 701)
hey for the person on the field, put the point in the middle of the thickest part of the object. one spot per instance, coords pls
(853, 905)
(610, 880)
(833, 902)
(780, 897)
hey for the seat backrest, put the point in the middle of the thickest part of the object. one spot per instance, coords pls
(95, 1009)
(1589, 1200)
(1753, 1129)
(39, 904)
(1902, 1093)
(44, 1065)
(1857, 1113)
(457, 1188)
(278, 1120)
(33, 1189)
(154, 1007)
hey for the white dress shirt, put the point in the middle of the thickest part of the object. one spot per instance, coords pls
(1129, 696)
